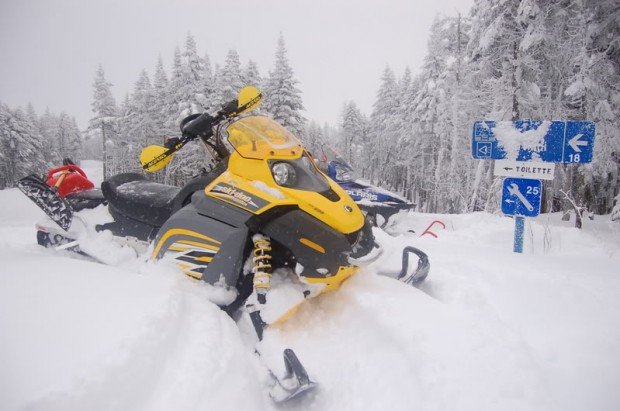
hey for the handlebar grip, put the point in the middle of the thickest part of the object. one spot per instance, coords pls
(199, 126)
(230, 108)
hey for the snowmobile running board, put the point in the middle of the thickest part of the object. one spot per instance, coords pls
(295, 383)
(47, 199)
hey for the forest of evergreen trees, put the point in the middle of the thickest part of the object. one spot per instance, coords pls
(505, 60)
(30, 143)
(154, 110)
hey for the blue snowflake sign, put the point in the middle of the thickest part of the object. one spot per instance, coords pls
(521, 197)
(528, 140)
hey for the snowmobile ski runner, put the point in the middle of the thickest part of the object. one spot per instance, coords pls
(264, 212)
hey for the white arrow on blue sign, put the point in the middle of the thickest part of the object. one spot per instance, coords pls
(527, 140)
(521, 197)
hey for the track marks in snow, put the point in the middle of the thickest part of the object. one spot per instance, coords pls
(381, 336)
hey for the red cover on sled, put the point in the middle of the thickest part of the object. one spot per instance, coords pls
(68, 179)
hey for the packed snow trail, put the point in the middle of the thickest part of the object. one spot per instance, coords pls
(488, 330)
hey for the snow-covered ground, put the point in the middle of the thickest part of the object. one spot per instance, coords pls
(488, 330)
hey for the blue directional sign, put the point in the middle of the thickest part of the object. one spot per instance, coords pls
(521, 197)
(527, 140)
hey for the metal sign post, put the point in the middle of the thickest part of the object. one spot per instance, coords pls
(521, 198)
(519, 229)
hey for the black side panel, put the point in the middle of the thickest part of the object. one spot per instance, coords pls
(219, 210)
(230, 241)
(228, 263)
(291, 227)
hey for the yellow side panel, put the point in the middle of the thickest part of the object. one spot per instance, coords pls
(343, 215)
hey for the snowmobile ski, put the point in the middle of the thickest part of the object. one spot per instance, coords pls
(295, 383)
(420, 273)
(48, 200)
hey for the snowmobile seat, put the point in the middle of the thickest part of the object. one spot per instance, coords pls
(133, 196)
(85, 199)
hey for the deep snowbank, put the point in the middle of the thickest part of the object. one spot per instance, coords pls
(489, 330)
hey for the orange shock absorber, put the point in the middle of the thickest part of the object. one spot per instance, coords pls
(261, 266)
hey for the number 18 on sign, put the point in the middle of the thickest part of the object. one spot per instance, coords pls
(521, 198)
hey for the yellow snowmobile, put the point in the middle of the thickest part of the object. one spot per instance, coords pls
(264, 210)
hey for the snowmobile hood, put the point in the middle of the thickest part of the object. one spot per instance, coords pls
(249, 184)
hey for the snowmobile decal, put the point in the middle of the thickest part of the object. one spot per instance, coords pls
(238, 197)
(186, 233)
(191, 256)
(312, 245)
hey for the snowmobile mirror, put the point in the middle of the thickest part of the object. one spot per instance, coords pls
(249, 98)
(154, 158)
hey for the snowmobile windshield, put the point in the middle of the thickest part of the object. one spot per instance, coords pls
(260, 137)
(342, 171)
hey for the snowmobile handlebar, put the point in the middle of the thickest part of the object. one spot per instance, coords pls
(201, 125)
(155, 157)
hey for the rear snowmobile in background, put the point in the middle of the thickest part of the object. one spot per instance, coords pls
(378, 204)
(265, 222)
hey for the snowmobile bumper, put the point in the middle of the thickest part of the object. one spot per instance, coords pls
(411, 272)
(413, 276)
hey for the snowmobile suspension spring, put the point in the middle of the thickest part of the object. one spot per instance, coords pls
(261, 262)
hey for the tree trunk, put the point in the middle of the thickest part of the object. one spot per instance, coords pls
(105, 153)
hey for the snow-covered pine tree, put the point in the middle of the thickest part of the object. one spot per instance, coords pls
(105, 112)
(37, 132)
(228, 81)
(208, 81)
(188, 86)
(174, 105)
(193, 83)
(615, 212)
(313, 138)
(352, 134)
(121, 147)
(47, 126)
(282, 100)
(21, 146)
(142, 114)
(160, 103)
(385, 124)
(68, 139)
(251, 75)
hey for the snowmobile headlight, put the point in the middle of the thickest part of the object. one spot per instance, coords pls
(284, 174)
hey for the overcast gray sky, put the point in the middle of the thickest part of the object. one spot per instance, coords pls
(50, 49)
